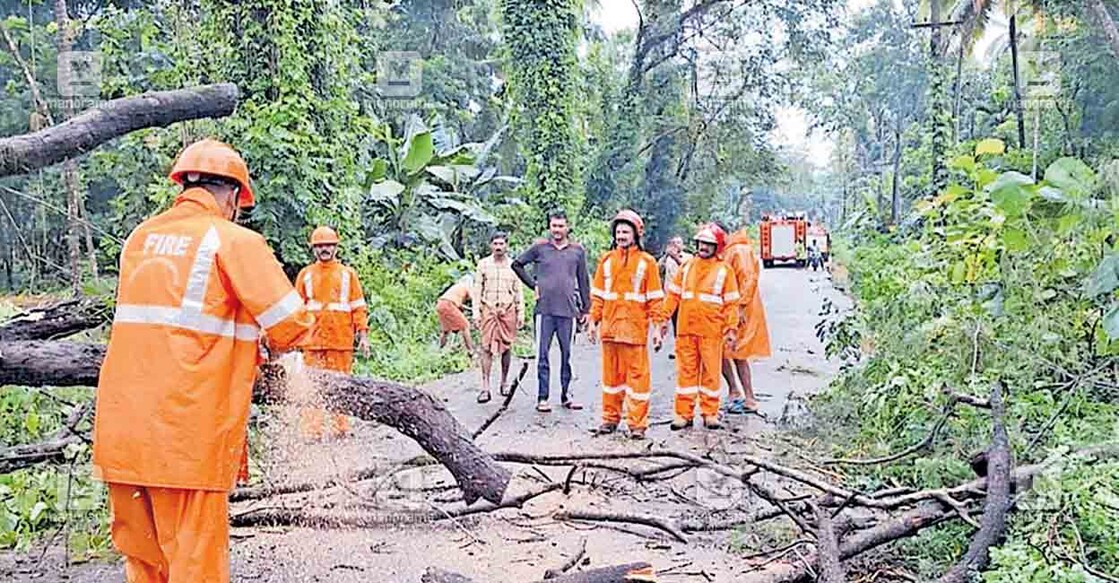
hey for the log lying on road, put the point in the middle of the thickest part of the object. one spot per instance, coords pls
(628, 573)
(57, 320)
(412, 412)
(112, 119)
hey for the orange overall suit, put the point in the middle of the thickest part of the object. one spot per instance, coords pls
(752, 340)
(625, 295)
(196, 292)
(706, 292)
(333, 293)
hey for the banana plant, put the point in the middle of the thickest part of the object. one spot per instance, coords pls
(429, 187)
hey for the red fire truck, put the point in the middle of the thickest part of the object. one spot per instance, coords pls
(784, 238)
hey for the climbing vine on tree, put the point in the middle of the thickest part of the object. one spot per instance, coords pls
(540, 37)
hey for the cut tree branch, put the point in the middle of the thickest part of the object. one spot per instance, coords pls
(112, 119)
(57, 320)
(993, 524)
(642, 519)
(613, 574)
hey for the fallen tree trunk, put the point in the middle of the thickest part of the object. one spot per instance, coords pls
(627, 573)
(57, 320)
(50, 363)
(112, 119)
(414, 413)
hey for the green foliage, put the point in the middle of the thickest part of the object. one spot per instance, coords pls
(540, 37)
(1005, 279)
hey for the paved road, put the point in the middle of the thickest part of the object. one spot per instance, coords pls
(519, 545)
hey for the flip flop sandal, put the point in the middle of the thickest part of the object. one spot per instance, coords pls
(572, 405)
(737, 407)
(484, 397)
(504, 391)
(543, 407)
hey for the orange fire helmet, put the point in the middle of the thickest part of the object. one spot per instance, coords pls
(631, 217)
(215, 158)
(711, 233)
(324, 236)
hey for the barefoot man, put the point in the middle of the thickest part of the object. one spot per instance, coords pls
(499, 310)
(449, 309)
(753, 335)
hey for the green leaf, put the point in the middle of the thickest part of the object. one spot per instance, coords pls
(992, 146)
(1009, 193)
(379, 170)
(959, 272)
(965, 163)
(36, 511)
(386, 191)
(31, 422)
(1106, 278)
(1111, 322)
(418, 147)
(1015, 240)
(1072, 176)
(444, 173)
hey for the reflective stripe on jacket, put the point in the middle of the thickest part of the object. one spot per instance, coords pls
(625, 295)
(196, 292)
(332, 291)
(706, 292)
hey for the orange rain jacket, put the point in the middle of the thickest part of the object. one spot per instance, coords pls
(753, 333)
(706, 292)
(332, 291)
(625, 295)
(196, 291)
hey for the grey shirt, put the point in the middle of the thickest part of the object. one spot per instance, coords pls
(561, 275)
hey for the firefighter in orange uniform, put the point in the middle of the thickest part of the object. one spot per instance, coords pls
(706, 292)
(196, 292)
(625, 295)
(752, 341)
(333, 293)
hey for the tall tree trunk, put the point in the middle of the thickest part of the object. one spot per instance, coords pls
(958, 90)
(1017, 83)
(66, 37)
(1110, 30)
(895, 202)
(938, 105)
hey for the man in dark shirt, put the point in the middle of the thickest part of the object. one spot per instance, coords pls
(562, 288)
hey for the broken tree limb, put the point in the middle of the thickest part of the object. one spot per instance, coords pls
(504, 405)
(642, 519)
(831, 568)
(628, 573)
(412, 412)
(568, 564)
(920, 446)
(336, 518)
(43, 363)
(993, 524)
(57, 320)
(112, 119)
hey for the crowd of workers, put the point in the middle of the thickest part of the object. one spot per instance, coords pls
(203, 301)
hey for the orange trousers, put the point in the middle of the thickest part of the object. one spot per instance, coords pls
(699, 362)
(311, 419)
(625, 377)
(170, 535)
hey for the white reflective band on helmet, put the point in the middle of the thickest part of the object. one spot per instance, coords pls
(614, 390)
(710, 392)
(632, 394)
(186, 320)
(280, 310)
(687, 390)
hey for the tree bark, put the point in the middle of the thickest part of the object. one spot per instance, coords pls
(1018, 111)
(895, 201)
(412, 412)
(56, 321)
(831, 567)
(997, 504)
(612, 574)
(22, 154)
(1110, 30)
